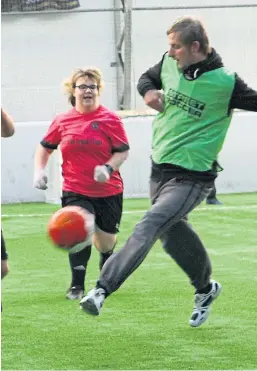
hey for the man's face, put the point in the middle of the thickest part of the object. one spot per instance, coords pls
(181, 53)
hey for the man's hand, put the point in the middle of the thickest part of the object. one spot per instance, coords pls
(101, 174)
(40, 179)
(155, 100)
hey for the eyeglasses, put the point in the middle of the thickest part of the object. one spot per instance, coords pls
(85, 87)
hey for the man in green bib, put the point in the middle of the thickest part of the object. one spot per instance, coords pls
(195, 96)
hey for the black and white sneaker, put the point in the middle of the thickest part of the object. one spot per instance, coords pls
(93, 301)
(203, 304)
(75, 293)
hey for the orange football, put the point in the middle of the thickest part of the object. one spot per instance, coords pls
(71, 226)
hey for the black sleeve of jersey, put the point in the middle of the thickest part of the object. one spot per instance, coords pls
(151, 79)
(243, 97)
(48, 145)
(123, 148)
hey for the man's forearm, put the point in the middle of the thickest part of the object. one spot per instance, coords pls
(151, 79)
(243, 97)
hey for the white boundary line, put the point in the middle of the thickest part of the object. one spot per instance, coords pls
(210, 208)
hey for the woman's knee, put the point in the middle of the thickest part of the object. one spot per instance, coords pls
(103, 241)
(4, 268)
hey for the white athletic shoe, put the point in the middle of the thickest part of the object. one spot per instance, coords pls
(93, 301)
(203, 304)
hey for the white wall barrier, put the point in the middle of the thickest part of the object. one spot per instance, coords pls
(34, 70)
(238, 157)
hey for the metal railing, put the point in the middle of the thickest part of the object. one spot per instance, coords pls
(50, 6)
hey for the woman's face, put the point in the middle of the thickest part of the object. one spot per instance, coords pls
(86, 93)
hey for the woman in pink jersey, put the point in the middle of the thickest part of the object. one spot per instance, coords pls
(94, 145)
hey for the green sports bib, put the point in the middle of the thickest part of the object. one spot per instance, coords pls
(191, 130)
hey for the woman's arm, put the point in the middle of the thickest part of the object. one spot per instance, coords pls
(7, 124)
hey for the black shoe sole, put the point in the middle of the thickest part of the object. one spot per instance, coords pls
(89, 307)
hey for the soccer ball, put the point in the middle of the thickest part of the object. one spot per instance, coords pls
(71, 228)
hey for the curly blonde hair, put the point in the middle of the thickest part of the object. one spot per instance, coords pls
(91, 72)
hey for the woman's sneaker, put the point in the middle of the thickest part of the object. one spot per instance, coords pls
(75, 293)
(203, 304)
